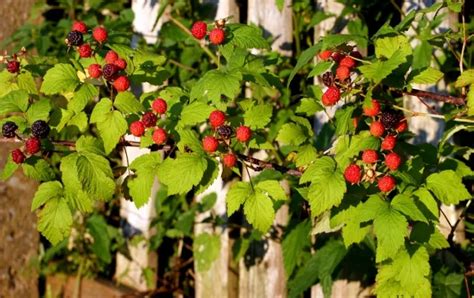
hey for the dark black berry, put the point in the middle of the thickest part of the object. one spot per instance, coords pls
(225, 131)
(109, 71)
(390, 118)
(75, 38)
(149, 119)
(8, 129)
(13, 66)
(40, 129)
(328, 79)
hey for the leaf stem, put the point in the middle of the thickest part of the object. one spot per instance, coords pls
(416, 114)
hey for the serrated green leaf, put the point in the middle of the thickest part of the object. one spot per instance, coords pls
(38, 169)
(15, 101)
(55, 220)
(210, 175)
(182, 173)
(189, 139)
(447, 285)
(291, 134)
(303, 60)
(26, 82)
(127, 103)
(320, 68)
(470, 101)
(206, 248)
(428, 75)
(258, 116)
(7, 82)
(9, 169)
(195, 113)
(309, 106)
(237, 195)
(258, 210)
(61, 78)
(140, 185)
(406, 205)
(95, 175)
(447, 187)
(38, 111)
(271, 188)
(89, 144)
(465, 79)
(247, 37)
(388, 47)
(391, 228)
(379, 70)
(216, 83)
(306, 155)
(85, 94)
(344, 120)
(293, 244)
(46, 191)
(97, 227)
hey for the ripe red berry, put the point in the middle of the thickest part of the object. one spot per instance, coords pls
(13, 66)
(199, 29)
(217, 36)
(100, 34)
(377, 129)
(84, 50)
(347, 62)
(243, 133)
(159, 106)
(343, 73)
(216, 118)
(386, 183)
(210, 144)
(121, 63)
(33, 145)
(353, 174)
(393, 161)
(111, 57)
(325, 55)
(372, 110)
(337, 56)
(159, 136)
(137, 128)
(370, 156)
(95, 71)
(121, 83)
(389, 142)
(229, 160)
(402, 126)
(149, 119)
(79, 26)
(331, 96)
(18, 156)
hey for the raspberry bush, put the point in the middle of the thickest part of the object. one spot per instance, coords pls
(359, 182)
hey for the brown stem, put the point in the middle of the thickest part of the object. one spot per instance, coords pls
(459, 101)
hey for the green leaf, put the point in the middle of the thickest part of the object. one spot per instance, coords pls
(46, 191)
(271, 188)
(55, 220)
(247, 37)
(470, 101)
(95, 175)
(237, 195)
(145, 168)
(258, 116)
(391, 228)
(206, 249)
(328, 185)
(447, 187)
(293, 244)
(389, 47)
(216, 83)
(195, 113)
(189, 139)
(89, 144)
(127, 103)
(9, 169)
(303, 60)
(38, 169)
(60, 79)
(306, 155)
(38, 111)
(26, 82)
(75, 194)
(320, 68)
(406, 205)
(15, 101)
(448, 285)
(182, 173)
(349, 146)
(309, 106)
(465, 79)
(85, 94)
(97, 227)
(427, 76)
(259, 212)
(344, 120)
(379, 70)
(291, 134)
(7, 82)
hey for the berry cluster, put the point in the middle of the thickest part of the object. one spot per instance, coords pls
(149, 120)
(216, 35)
(223, 134)
(39, 130)
(114, 65)
(385, 125)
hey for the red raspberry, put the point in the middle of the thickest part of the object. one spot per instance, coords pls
(402, 126)
(85, 50)
(149, 119)
(337, 56)
(393, 161)
(137, 128)
(111, 57)
(377, 129)
(229, 160)
(79, 26)
(199, 29)
(18, 156)
(216, 118)
(331, 96)
(386, 183)
(33, 145)
(159, 136)
(210, 144)
(325, 55)
(121, 83)
(95, 71)
(243, 133)
(121, 63)
(343, 73)
(13, 66)
(353, 174)
(100, 34)
(217, 36)
(159, 106)
(370, 156)
(389, 142)
(372, 110)
(347, 62)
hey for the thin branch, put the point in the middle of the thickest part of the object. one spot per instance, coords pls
(459, 101)
(416, 114)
